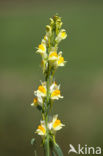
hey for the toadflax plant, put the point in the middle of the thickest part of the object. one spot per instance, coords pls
(49, 90)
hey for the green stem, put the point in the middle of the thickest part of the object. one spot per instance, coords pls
(49, 78)
(47, 150)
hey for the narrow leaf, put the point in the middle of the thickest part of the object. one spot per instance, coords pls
(35, 153)
(46, 147)
(32, 141)
(58, 150)
(53, 153)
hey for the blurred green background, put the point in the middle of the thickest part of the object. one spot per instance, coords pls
(22, 25)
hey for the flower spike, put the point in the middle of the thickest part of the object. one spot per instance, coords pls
(48, 91)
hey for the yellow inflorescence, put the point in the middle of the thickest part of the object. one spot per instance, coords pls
(48, 91)
(42, 89)
(56, 123)
(55, 93)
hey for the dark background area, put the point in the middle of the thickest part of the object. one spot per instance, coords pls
(22, 26)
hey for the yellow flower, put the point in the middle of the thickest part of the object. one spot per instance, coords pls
(60, 61)
(53, 56)
(42, 89)
(41, 130)
(42, 49)
(55, 91)
(41, 92)
(61, 36)
(55, 124)
(55, 59)
(37, 101)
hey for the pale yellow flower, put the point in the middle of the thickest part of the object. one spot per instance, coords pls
(61, 36)
(55, 91)
(53, 56)
(60, 60)
(41, 130)
(55, 124)
(37, 101)
(56, 59)
(42, 49)
(42, 91)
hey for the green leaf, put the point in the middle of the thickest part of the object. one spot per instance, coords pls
(46, 146)
(32, 141)
(35, 153)
(53, 153)
(58, 150)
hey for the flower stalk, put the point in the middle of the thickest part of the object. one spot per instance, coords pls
(49, 91)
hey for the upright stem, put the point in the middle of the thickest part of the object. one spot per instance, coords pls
(48, 78)
(47, 152)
